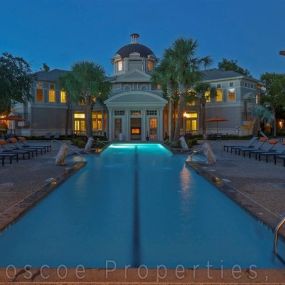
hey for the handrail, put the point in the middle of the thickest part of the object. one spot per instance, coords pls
(277, 229)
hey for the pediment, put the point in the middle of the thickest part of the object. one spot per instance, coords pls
(136, 98)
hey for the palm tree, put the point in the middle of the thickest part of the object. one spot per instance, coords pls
(163, 75)
(201, 89)
(85, 84)
(186, 66)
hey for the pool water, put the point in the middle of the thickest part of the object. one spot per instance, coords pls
(138, 204)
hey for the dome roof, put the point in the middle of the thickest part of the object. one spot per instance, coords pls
(126, 50)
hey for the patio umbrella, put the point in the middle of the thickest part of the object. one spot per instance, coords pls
(12, 117)
(217, 120)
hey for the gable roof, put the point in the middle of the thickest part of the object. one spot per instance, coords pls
(220, 74)
(52, 75)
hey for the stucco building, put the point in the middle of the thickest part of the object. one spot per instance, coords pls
(136, 110)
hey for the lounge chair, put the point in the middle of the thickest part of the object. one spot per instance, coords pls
(8, 155)
(279, 150)
(281, 157)
(257, 146)
(249, 144)
(44, 147)
(267, 147)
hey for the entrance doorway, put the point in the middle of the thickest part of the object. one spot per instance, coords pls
(135, 130)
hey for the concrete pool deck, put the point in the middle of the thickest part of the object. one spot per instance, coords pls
(23, 184)
(257, 186)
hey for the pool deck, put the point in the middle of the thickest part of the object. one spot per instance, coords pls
(24, 183)
(257, 186)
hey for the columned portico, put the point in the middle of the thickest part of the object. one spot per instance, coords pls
(136, 116)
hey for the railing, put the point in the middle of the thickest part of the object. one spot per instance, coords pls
(277, 229)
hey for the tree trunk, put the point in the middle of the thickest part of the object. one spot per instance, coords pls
(170, 119)
(274, 124)
(88, 120)
(67, 119)
(179, 113)
(203, 104)
(169, 93)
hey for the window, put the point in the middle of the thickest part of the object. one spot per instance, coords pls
(51, 93)
(119, 112)
(231, 84)
(120, 65)
(79, 116)
(153, 128)
(190, 115)
(219, 85)
(219, 95)
(97, 118)
(79, 123)
(39, 92)
(191, 121)
(151, 112)
(150, 65)
(62, 96)
(231, 95)
(208, 96)
(136, 113)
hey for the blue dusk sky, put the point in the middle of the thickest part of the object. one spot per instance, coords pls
(61, 32)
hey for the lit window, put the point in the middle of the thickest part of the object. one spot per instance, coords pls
(79, 116)
(219, 95)
(97, 118)
(231, 95)
(39, 92)
(120, 65)
(150, 65)
(208, 96)
(51, 94)
(190, 115)
(62, 96)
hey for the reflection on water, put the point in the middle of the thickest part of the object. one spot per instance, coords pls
(185, 181)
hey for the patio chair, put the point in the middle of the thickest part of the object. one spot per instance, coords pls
(11, 156)
(249, 144)
(11, 146)
(257, 146)
(279, 150)
(5, 150)
(264, 148)
(44, 147)
(281, 157)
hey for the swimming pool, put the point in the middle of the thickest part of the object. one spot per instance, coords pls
(138, 204)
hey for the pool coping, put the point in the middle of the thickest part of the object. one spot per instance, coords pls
(255, 209)
(17, 210)
(141, 275)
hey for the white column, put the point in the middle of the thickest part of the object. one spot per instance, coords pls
(143, 124)
(160, 125)
(110, 125)
(127, 116)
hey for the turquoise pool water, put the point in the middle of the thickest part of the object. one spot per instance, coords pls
(138, 204)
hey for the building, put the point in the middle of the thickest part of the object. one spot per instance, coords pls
(136, 109)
